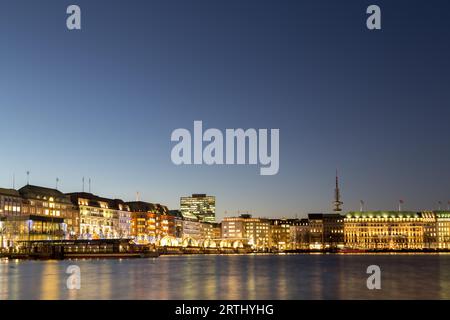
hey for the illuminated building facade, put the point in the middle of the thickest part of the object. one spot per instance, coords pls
(326, 231)
(178, 223)
(316, 237)
(430, 231)
(333, 230)
(200, 205)
(442, 229)
(124, 219)
(49, 205)
(150, 222)
(254, 231)
(3, 236)
(436, 229)
(10, 206)
(280, 233)
(192, 227)
(299, 237)
(395, 230)
(101, 218)
(211, 230)
(32, 227)
(10, 202)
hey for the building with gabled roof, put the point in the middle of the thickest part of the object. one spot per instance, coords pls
(100, 217)
(150, 222)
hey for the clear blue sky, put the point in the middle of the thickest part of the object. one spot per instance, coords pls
(102, 102)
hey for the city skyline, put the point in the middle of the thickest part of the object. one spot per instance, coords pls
(44, 215)
(102, 102)
(398, 205)
(224, 158)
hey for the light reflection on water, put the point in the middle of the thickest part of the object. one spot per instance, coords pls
(231, 277)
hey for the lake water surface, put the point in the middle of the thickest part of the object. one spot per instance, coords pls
(315, 276)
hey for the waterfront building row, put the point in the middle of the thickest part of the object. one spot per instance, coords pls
(35, 213)
(318, 231)
(367, 230)
(39, 213)
(373, 230)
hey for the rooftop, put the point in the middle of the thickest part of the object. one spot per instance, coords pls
(175, 213)
(382, 214)
(38, 192)
(142, 206)
(320, 216)
(95, 201)
(9, 192)
(189, 216)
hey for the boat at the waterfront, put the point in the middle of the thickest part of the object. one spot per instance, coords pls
(81, 249)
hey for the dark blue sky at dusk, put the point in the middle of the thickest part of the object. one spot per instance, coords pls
(102, 102)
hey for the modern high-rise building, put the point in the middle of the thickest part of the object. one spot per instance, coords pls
(200, 205)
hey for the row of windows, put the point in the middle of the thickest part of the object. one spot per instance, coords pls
(364, 240)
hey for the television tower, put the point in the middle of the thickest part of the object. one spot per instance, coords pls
(337, 196)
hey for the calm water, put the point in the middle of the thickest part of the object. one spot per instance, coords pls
(232, 277)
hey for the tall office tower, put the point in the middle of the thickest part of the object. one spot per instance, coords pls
(200, 205)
